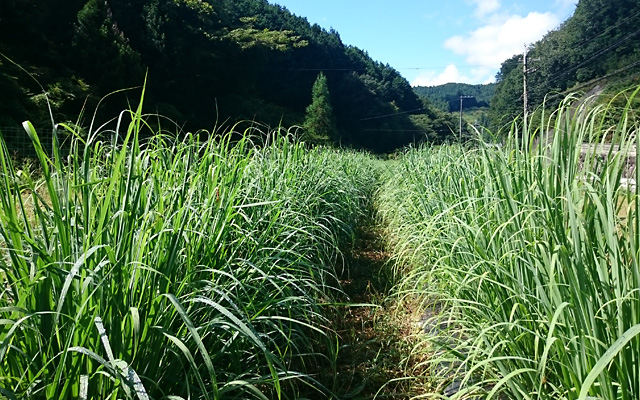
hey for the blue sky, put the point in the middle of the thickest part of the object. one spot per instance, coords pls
(436, 42)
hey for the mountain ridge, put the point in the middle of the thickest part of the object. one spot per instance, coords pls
(447, 96)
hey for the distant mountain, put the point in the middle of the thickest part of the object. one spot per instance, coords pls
(447, 96)
(208, 62)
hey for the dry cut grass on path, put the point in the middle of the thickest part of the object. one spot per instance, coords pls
(376, 338)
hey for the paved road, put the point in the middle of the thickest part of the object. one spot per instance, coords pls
(603, 149)
(628, 174)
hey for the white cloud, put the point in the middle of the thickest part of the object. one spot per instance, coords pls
(485, 7)
(431, 78)
(451, 74)
(483, 75)
(501, 38)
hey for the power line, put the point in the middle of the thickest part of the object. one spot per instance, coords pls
(394, 114)
(591, 82)
(607, 30)
(366, 69)
(565, 19)
(457, 66)
(596, 54)
(557, 75)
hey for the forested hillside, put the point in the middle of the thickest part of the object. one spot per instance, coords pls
(447, 96)
(208, 62)
(598, 45)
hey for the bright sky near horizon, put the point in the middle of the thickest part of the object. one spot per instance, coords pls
(436, 42)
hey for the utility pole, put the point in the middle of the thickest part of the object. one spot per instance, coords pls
(525, 71)
(462, 98)
(524, 83)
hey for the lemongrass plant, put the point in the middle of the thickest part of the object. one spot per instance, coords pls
(526, 259)
(172, 268)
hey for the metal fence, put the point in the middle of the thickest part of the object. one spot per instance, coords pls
(19, 144)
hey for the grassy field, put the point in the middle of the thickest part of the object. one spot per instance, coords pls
(174, 269)
(213, 269)
(525, 260)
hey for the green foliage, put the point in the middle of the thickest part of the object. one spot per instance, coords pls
(507, 104)
(250, 37)
(319, 122)
(13, 105)
(525, 259)
(444, 125)
(447, 96)
(207, 61)
(98, 41)
(438, 126)
(192, 268)
(596, 46)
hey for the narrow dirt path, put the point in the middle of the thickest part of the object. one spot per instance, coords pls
(375, 339)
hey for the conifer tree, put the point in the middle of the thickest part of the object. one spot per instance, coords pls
(102, 52)
(319, 123)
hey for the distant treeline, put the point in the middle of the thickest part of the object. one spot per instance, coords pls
(597, 46)
(447, 97)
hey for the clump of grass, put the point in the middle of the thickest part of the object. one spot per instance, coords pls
(187, 268)
(527, 257)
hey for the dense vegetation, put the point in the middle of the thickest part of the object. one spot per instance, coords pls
(596, 46)
(207, 61)
(319, 123)
(593, 52)
(140, 261)
(524, 260)
(174, 268)
(207, 269)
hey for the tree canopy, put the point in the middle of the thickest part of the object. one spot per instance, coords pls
(206, 62)
(596, 46)
(319, 122)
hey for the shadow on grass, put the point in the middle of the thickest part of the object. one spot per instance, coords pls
(375, 338)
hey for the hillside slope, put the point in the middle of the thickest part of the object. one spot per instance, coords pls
(207, 62)
(596, 46)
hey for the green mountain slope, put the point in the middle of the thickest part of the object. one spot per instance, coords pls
(207, 62)
(598, 45)
(447, 96)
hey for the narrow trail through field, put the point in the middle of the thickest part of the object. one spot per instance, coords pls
(373, 343)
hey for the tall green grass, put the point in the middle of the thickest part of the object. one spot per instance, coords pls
(171, 268)
(526, 257)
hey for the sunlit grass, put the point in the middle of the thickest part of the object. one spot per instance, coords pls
(197, 268)
(530, 254)
(167, 267)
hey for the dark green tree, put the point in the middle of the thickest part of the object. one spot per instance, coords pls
(102, 52)
(596, 46)
(319, 122)
(506, 104)
(447, 96)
